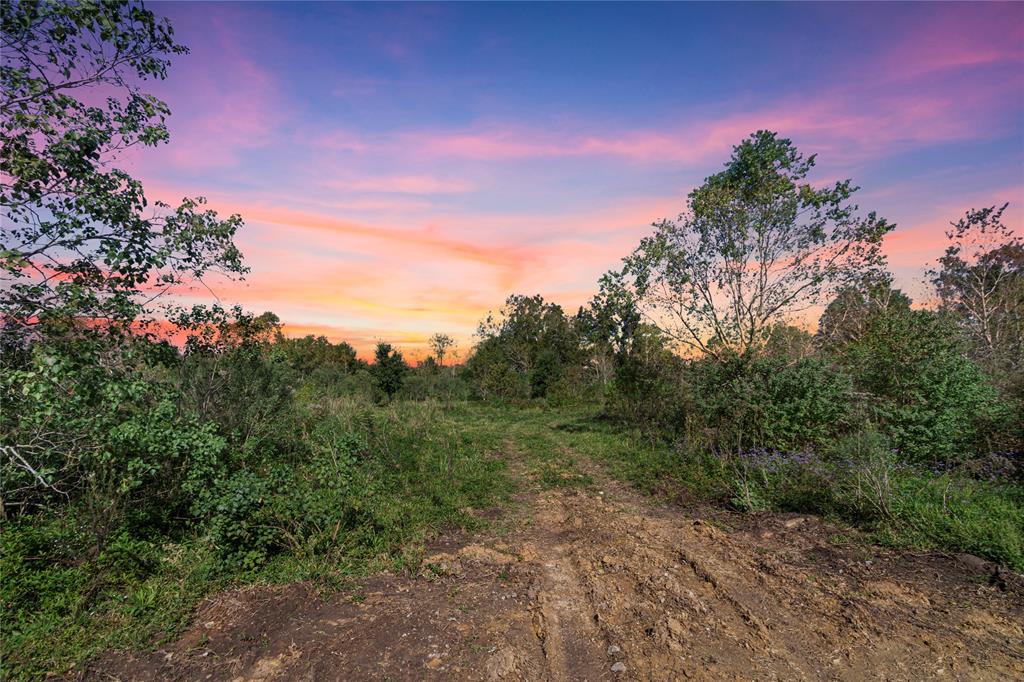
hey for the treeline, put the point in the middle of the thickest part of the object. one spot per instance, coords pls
(914, 377)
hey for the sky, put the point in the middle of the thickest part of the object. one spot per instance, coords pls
(402, 168)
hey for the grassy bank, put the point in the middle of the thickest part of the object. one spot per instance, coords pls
(413, 472)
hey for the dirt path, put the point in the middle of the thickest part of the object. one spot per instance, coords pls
(603, 584)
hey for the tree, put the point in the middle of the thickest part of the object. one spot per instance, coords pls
(608, 324)
(440, 343)
(78, 242)
(846, 316)
(527, 325)
(757, 244)
(980, 281)
(389, 369)
(923, 391)
(533, 337)
(788, 343)
(309, 354)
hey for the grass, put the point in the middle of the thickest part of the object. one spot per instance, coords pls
(927, 511)
(424, 475)
(428, 467)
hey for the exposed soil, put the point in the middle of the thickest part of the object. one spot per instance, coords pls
(604, 584)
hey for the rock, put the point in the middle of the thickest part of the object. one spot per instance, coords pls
(619, 667)
(503, 664)
(794, 522)
(675, 627)
(613, 650)
(974, 562)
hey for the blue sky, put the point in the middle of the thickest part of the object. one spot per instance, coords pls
(403, 167)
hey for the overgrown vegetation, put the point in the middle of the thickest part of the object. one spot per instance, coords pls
(154, 454)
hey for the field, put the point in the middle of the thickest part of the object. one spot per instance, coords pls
(515, 543)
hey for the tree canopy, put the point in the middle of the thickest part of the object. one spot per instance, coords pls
(757, 243)
(80, 239)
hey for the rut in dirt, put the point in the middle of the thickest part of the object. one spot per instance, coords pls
(600, 583)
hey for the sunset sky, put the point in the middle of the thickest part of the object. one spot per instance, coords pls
(402, 168)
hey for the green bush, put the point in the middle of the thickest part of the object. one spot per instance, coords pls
(389, 369)
(441, 385)
(862, 479)
(493, 374)
(651, 387)
(758, 401)
(923, 391)
(84, 425)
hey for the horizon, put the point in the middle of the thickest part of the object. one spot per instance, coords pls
(402, 168)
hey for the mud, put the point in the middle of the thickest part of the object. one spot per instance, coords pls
(604, 584)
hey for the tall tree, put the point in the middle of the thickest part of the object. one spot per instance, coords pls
(608, 324)
(80, 240)
(758, 243)
(980, 280)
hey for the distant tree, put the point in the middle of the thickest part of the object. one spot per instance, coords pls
(534, 338)
(846, 316)
(608, 324)
(526, 325)
(389, 369)
(440, 344)
(788, 343)
(78, 240)
(428, 365)
(309, 353)
(980, 281)
(757, 244)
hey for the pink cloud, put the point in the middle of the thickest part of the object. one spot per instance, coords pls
(842, 122)
(402, 184)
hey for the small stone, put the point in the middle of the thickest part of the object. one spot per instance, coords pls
(619, 667)
(675, 627)
(613, 650)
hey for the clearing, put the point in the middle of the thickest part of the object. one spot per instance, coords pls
(582, 578)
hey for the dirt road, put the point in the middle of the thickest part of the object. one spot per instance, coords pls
(600, 583)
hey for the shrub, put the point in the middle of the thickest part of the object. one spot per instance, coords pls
(751, 401)
(440, 385)
(651, 387)
(766, 479)
(867, 470)
(924, 393)
(389, 369)
(493, 375)
(84, 425)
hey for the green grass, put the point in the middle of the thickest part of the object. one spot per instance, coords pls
(427, 468)
(932, 512)
(423, 476)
